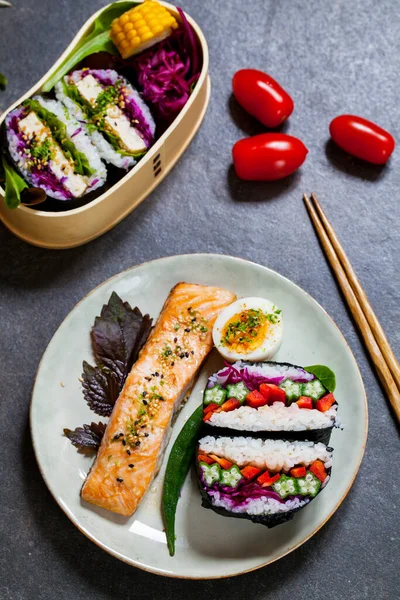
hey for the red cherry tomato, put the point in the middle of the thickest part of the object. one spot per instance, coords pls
(268, 156)
(362, 138)
(262, 97)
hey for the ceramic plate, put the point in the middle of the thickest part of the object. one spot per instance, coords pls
(208, 545)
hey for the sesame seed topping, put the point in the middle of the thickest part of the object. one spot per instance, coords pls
(131, 466)
(120, 479)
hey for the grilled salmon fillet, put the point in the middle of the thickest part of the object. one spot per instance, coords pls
(138, 431)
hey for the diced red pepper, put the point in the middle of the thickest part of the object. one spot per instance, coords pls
(208, 416)
(325, 402)
(265, 391)
(274, 393)
(250, 472)
(211, 407)
(225, 464)
(206, 459)
(229, 405)
(255, 399)
(298, 472)
(266, 480)
(304, 402)
(318, 468)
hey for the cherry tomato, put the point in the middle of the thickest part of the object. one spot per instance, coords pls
(268, 156)
(362, 138)
(262, 97)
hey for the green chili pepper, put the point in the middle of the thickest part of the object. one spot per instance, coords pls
(177, 468)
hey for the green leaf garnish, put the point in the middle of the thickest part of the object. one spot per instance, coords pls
(14, 184)
(325, 375)
(3, 82)
(96, 40)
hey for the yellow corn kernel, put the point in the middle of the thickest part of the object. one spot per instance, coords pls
(116, 28)
(147, 36)
(132, 31)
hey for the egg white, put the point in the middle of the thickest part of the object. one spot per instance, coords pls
(272, 341)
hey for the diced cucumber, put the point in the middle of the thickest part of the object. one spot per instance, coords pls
(308, 485)
(293, 390)
(211, 473)
(285, 486)
(314, 389)
(215, 394)
(231, 476)
(238, 391)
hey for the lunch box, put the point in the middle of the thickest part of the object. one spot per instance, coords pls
(70, 228)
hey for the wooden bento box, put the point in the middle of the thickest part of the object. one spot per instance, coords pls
(70, 228)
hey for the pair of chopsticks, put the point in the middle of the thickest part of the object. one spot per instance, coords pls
(371, 331)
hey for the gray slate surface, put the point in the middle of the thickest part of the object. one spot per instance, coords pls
(333, 57)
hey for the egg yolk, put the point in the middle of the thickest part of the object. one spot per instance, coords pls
(245, 331)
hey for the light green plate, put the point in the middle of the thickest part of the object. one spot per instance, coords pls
(208, 545)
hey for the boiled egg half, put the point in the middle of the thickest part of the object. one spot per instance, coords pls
(248, 329)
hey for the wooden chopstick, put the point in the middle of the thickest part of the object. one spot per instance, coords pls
(374, 350)
(371, 317)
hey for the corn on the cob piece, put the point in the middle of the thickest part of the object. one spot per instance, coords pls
(141, 27)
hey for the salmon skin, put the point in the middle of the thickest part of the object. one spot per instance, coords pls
(131, 450)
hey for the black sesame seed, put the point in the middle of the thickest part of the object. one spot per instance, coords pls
(137, 444)
(161, 399)
(172, 364)
(192, 352)
(194, 320)
(143, 427)
(148, 378)
(175, 340)
(128, 452)
(144, 394)
(182, 355)
(189, 309)
(120, 479)
(187, 354)
(162, 376)
(146, 435)
(145, 402)
(121, 435)
(124, 442)
(157, 374)
(131, 466)
(187, 329)
(135, 422)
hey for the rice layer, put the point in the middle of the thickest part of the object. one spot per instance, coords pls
(276, 417)
(274, 455)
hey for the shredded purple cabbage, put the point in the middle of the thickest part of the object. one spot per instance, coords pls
(244, 492)
(48, 181)
(76, 132)
(231, 374)
(167, 72)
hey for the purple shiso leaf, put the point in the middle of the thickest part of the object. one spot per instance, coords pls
(76, 132)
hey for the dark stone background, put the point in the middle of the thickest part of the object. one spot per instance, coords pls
(333, 57)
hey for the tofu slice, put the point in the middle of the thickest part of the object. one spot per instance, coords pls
(119, 124)
(32, 126)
